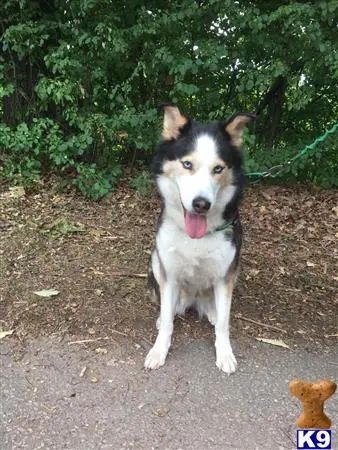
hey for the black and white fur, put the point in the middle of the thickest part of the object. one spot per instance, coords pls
(200, 161)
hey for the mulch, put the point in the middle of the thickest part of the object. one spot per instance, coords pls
(96, 254)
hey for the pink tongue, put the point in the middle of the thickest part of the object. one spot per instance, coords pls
(195, 225)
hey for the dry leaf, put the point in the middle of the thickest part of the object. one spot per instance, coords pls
(96, 232)
(17, 191)
(310, 264)
(254, 272)
(101, 350)
(6, 333)
(94, 380)
(276, 342)
(57, 199)
(47, 293)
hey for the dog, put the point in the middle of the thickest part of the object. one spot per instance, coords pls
(198, 169)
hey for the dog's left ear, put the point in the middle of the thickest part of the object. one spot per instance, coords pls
(235, 127)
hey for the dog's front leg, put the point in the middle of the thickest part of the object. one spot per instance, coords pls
(225, 359)
(157, 355)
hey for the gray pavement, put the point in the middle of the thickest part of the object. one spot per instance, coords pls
(187, 404)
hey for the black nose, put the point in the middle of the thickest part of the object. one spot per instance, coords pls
(201, 205)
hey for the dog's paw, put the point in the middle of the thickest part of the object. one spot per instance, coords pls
(226, 361)
(155, 359)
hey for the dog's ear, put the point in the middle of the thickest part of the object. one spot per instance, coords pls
(235, 127)
(173, 121)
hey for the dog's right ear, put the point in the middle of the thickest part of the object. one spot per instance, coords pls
(173, 121)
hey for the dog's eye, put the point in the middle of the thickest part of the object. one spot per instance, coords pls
(187, 165)
(218, 169)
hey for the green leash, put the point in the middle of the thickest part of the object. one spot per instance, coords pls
(226, 225)
(276, 170)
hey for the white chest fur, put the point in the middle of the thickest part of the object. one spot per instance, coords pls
(195, 264)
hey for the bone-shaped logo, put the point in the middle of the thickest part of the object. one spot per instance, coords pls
(313, 396)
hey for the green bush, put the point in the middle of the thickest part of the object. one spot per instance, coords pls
(142, 183)
(80, 81)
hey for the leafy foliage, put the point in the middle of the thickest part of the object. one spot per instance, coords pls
(79, 81)
(142, 183)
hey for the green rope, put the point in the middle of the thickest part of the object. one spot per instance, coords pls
(276, 170)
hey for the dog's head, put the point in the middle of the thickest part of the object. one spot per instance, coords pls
(200, 164)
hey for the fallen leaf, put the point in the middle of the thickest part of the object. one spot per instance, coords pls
(57, 199)
(310, 264)
(96, 232)
(266, 196)
(6, 333)
(101, 350)
(94, 380)
(61, 227)
(83, 371)
(17, 191)
(276, 342)
(254, 272)
(47, 293)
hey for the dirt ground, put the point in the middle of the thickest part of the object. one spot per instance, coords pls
(72, 372)
(85, 250)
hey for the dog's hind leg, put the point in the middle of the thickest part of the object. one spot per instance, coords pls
(181, 306)
(169, 296)
(225, 359)
(183, 303)
(206, 307)
(212, 316)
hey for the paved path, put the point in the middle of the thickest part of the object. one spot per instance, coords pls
(186, 405)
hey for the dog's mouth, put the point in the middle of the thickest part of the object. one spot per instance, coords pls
(195, 224)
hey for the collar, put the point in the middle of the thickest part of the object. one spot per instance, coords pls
(227, 224)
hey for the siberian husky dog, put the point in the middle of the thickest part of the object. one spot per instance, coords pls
(199, 173)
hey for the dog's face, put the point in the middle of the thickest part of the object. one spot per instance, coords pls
(200, 163)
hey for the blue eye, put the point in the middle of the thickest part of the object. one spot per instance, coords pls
(218, 169)
(187, 165)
